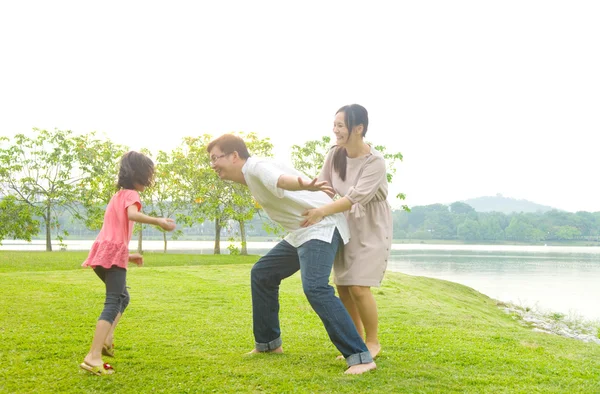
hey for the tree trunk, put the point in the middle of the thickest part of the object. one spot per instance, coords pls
(217, 249)
(140, 251)
(48, 230)
(165, 241)
(243, 235)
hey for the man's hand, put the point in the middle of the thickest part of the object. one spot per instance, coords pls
(137, 259)
(313, 216)
(315, 186)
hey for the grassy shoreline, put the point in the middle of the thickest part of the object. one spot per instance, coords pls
(189, 325)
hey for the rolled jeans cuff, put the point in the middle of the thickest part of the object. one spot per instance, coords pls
(265, 347)
(359, 358)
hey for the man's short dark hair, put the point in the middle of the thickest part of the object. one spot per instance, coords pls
(229, 143)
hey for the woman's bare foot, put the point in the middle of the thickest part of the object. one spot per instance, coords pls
(357, 369)
(374, 349)
(279, 350)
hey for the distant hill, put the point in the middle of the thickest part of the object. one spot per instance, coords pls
(499, 203)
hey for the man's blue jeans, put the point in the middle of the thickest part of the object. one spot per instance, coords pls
(314, 259)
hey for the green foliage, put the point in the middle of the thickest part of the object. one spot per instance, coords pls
(243, 206)
(56, 180)
(98, 161)
(14, 212)
(557, 316)
(521, 229)
(165, 198)
(233, 250)
(271, 227)
(469, 230)
(209, 197)
(199, 183)
(52, 171)
(566, 232)
(461, 208)
(309, 158)
(391, 160)
(460, 221)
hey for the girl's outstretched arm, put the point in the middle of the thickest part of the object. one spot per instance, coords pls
(134, 215)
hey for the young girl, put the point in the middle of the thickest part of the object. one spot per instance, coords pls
(110, 253)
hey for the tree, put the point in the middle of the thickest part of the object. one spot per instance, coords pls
(146, 198)
(309, 158)
(587, 223)
(98, 161)
(459, 207)
(416, 218)
(519, 229)
(492, 225)
(391, 160)
(16, 220)
(52, 172)
(567, 232)
(207, 196)
(243, 206)
(469, 230)
(440, 224)
(165, 198)
(191, 165)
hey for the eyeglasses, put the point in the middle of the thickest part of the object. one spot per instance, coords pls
(214, 159)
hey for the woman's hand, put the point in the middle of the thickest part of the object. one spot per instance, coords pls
(312, 216)
(166, 224)
(137, 259)
(315, 186)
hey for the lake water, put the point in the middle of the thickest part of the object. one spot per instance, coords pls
(559, 279)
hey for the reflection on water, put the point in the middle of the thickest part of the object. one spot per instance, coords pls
(562, 282)
(561, 279)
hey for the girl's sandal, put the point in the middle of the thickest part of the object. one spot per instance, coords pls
(104, 369)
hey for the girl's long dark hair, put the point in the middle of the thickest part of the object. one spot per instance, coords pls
(354, 115)
(135, 168)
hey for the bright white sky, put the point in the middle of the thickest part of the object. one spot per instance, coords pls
(481, 97)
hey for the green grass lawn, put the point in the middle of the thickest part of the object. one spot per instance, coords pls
(189, 326)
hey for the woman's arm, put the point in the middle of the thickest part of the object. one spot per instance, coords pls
(364, 190)
(315, 215)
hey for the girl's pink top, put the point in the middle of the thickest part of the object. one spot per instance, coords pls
(111, 247)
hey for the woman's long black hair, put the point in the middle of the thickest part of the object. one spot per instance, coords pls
(354, 115)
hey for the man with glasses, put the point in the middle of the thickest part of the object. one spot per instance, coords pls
(285, 197)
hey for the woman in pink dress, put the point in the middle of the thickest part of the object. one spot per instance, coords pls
(110, 253)
(357, 173)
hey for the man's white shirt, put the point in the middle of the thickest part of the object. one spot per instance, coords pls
(286, 207)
